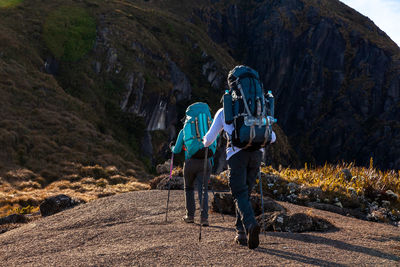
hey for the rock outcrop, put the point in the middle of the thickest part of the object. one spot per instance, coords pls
(295, 223)
(342, 71)
(55, 204)
(275, 217)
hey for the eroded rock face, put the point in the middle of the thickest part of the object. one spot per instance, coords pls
(55, 204)
(132, 100)
(213, 74)
(181, 85)
(344, 83)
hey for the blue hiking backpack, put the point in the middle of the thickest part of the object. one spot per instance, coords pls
(197, 122)
(248, 109)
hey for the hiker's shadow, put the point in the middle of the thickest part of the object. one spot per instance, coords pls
(307, 238)
(297, 257)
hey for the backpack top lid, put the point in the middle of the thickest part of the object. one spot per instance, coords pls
(197, 122)
(196, 108)
(241, 71)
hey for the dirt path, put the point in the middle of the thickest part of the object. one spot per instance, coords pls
(129, 229)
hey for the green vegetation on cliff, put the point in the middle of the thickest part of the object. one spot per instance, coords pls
(69, 33)
(9, 3)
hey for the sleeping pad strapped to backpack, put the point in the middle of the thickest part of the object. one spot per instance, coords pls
(197, 122)
(246, 107)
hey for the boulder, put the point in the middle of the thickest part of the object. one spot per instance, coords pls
(164, 167)
(390, 195)
(379, 215)
(176, 183)
(55, 204)
(293, 188)
(224, 202)
(310, 193)
(295, 223)
(218, 184)
(336, 209)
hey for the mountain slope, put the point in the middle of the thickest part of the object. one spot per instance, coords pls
(107, 82)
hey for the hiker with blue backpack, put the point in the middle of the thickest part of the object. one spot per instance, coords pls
(197, 122)
(246, 118)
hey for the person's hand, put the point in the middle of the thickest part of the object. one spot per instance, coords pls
(204, 141)
(171, 144)
(273, 137)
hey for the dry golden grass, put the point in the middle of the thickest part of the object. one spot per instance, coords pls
(332, 178)
(345, 182)
(89, 183)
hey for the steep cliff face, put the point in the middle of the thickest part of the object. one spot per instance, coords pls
(334, 73)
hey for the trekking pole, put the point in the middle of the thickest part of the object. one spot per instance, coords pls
(262, 201)
(203, 188)
(217, 201)
(169, 184)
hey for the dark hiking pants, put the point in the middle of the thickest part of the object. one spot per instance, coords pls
(244, 168)
(193, 170)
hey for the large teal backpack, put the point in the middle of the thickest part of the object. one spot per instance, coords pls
(248, 109)
(197, 122)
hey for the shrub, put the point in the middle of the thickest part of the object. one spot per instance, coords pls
(28, 185)
(96, 172)
(111, 170)
(19, 175)
(118, 179)
(102, 182)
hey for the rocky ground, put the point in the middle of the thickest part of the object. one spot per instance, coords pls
(338, 191)
(130, 229)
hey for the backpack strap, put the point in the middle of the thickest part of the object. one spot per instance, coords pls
(252, 135)
(196, 122)
(209, 123)
(203, 124)
(244, 99)
(266, 136)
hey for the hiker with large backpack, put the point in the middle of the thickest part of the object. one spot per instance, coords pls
(197, 122)
(247, 118)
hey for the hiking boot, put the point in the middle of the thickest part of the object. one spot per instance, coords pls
(252, 234)
(204, 222)
(241, 238)
(188, 219)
